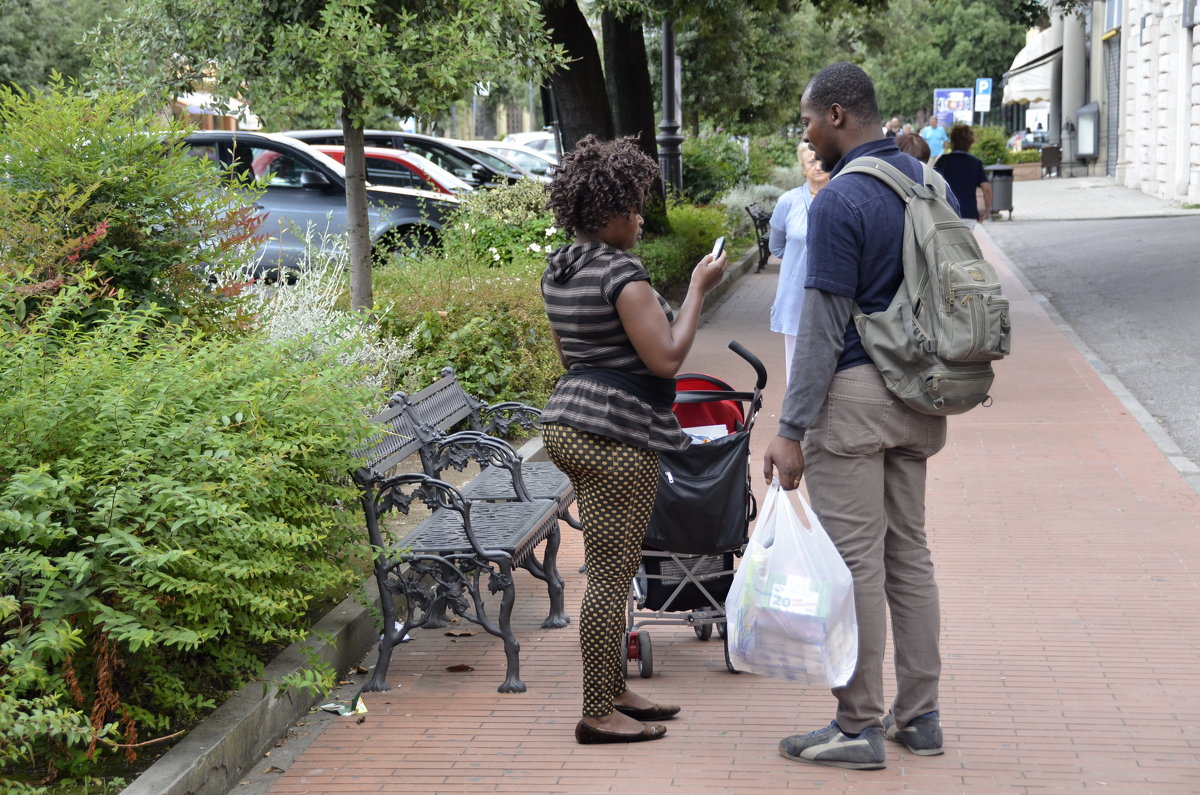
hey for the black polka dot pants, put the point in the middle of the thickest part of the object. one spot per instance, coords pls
(615, 485)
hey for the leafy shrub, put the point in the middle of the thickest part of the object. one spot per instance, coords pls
(1023, 156)
(107, 195)
(669, 259)
(504, 225)
(169, 504)
(737, 200)
(787, 177)
(991, 144)
(712, 164)
(476, 303)
(767, 154)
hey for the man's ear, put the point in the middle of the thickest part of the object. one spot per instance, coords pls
(837, 115)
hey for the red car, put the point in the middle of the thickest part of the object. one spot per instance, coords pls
(402, 169)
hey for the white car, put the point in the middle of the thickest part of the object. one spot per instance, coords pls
(533, 161)
(540, 140)
(495, 159)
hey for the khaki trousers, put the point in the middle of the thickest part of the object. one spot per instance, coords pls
(865, 461)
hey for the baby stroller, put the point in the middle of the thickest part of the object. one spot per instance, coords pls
(701, 516)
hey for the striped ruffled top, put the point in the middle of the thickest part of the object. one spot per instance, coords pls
(580, 289)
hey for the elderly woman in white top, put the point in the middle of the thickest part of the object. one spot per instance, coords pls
(789, 228)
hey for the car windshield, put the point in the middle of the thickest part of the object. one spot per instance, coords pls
(527, 161)
(495, 161)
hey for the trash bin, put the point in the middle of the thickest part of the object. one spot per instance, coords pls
(1001, 178)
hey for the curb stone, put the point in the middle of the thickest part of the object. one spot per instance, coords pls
(214, 757)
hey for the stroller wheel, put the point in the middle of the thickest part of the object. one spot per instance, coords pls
(645, 659)
(722, 629)
(703, 631)
(629, 650)
(728, 662)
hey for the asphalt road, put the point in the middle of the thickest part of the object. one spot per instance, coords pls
(1130, 288)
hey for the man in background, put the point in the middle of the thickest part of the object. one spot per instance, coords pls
(935, 135)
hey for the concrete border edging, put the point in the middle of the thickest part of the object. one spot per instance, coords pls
(214, 756)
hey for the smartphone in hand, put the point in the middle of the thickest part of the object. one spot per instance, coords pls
(718, 247)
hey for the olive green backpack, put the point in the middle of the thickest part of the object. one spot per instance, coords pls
(949, 321)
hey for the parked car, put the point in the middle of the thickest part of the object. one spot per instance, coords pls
(304, 191)
(1029, 139)
(468, 167)
(542, 164)
(494, 158)
(540, 140)
(402, 169)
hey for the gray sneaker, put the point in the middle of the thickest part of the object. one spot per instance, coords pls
(923, 736)
(830, 746)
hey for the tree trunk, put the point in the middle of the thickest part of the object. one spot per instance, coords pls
(631, 97)
(579, 90)
(630, 94)
(361, 295)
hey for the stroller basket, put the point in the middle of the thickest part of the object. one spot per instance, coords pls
(660, 579)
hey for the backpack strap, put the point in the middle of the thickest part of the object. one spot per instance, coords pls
(904, 186)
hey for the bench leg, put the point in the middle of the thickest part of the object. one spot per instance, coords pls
(390, 582)
(502, 581)
(547, 571)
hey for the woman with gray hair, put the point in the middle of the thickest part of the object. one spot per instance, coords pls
(789, 228)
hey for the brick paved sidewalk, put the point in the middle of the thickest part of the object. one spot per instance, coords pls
(1066, 547)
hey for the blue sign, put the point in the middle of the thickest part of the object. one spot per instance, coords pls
(953, 104)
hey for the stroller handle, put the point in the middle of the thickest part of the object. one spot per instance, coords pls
(754, 361)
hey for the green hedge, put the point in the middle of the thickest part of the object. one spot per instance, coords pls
(171, 501)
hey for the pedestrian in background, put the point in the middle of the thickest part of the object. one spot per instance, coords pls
(935, 135)
(914, 145)
(610, 415)
(964, 173)
(892, 128)
(862, 450)
(789, 228)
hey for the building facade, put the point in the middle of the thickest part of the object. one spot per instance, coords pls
(1120, 84)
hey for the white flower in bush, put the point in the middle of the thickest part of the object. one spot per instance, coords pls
(551, 231)
(535, 248)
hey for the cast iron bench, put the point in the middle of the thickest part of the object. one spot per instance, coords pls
(440, 563)
(762, 233)
(441, 407)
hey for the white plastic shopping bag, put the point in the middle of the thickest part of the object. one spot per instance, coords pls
(790, 610)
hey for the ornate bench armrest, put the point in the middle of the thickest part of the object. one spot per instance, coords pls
(456, 449)
(399, 492)
(498, 418)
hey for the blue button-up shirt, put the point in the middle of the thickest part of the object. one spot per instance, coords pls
(856, 239)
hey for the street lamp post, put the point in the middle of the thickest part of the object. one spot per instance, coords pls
(669, 158)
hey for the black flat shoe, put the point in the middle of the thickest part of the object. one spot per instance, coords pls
(656, 712)
(589, 735)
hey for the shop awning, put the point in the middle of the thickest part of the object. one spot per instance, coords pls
(1031, 76)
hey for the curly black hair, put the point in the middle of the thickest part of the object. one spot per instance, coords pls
(600, 180)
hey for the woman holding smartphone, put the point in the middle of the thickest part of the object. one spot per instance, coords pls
(610, 414)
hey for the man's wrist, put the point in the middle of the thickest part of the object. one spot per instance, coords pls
(791, 432)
